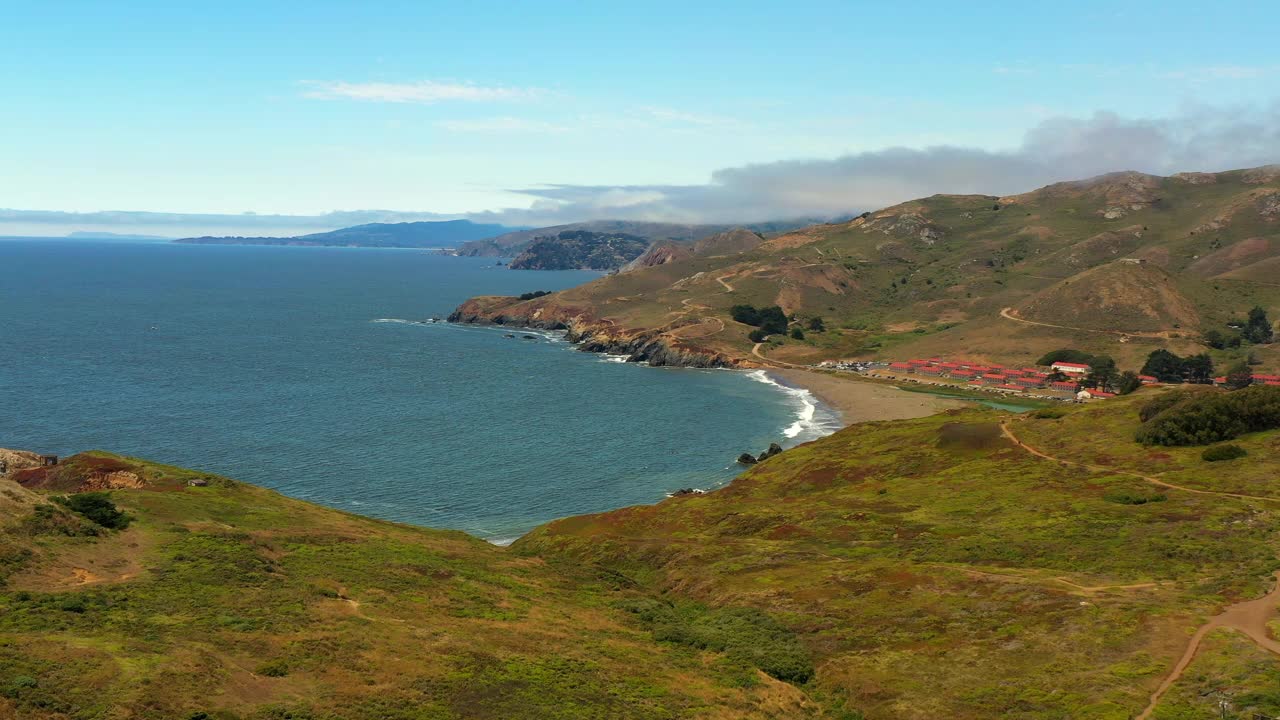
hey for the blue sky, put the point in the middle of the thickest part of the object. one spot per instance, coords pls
(307, 108)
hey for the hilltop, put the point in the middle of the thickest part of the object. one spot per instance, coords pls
(967, 565)
(429, 234)
(1119, 264)
(614, 244)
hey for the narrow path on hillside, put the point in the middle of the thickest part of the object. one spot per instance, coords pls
(1004, 428)
(755, 350)
(727, 286)
(1249, 617)
(1007, 314)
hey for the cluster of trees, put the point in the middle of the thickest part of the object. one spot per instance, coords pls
(1255, 329)
(534, 294)
(768, 320)
(1103, 373)
(1208, 417)
(96, 506)
(1167, 367)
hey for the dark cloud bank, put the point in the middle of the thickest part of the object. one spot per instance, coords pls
(1198, 139)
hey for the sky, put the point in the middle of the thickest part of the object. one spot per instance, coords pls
(280, 117)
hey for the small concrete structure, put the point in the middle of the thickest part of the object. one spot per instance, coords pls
(48, 460)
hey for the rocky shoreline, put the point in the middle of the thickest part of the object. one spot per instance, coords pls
(588, 333)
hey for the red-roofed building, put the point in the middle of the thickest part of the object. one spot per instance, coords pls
(994, 379)
(1220, 380)
(1090, 393)
(979, 368)
(929, 370)
(1063, 386)
(1149, 379)
(900, 366)
(1029, 381)
(1071, 368)
(962, 374)
(918, 362)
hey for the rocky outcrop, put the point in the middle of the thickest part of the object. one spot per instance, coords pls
(658, 254)
(747, 459)
(12, 461)
(589, 333)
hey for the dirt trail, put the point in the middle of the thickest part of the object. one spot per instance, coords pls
(727, 286)
(1004, 428)
(1007, 314)
(755, 350)
(1249, 617)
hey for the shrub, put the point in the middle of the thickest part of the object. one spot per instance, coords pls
(1049, 413)
(1218, 453)
(1132, 497)
(744, 635)
(797, 334)
(534, 294)
(96, 506)
(273, 668)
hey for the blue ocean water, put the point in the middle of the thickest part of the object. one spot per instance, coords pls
(293, 368)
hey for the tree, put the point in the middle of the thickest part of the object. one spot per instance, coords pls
(1164, 366)
(797, 334)
(1065, 355)
(758, 336)
(1128, 382)
(1102, 373)
(1239, 376)
(1198, 368)
(1215, 339)
(1056, 376)
(1257, 329)
(816, 324)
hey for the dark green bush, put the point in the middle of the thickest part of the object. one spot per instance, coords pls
(1133, 497)
(1211, 417)
(744, 635)
(96, 506)
(273, 668)
(1218, 453)
(534, 294)
(797, 334)
(1049, 413)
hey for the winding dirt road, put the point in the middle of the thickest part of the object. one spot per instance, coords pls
(1249, 617)
(1004, 428)
(1007, 314)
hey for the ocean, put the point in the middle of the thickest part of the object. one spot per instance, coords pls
(303, 370)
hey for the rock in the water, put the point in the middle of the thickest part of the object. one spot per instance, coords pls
(774, 449)
(747, 459)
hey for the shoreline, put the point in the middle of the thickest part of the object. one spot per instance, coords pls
(858, 402)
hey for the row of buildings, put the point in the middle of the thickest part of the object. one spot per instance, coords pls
(1061, 378)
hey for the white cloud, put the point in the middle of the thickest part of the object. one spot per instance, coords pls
(424, 92)
(1058, 148)
(1221, 72)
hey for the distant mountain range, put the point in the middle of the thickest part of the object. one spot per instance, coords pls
(103, 235)
(429, 234)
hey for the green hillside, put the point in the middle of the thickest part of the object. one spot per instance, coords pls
(972, 564)
(1119, 264)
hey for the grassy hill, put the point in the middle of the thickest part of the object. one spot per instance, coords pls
(1119, 264)
(236, 602)
(939, 567)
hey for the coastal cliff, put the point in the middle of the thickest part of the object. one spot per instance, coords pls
(591, 333)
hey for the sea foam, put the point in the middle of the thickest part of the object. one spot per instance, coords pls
(811, 422)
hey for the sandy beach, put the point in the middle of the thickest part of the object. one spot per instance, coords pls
(858, 401)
